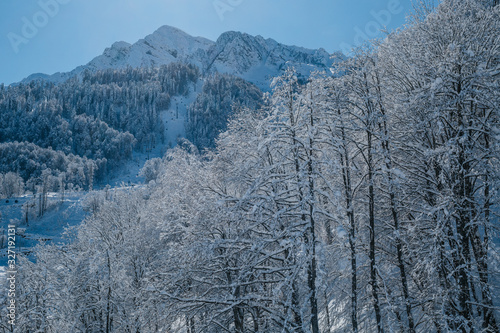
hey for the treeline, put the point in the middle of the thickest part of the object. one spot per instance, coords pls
(363, 202)
(102, 117)
(222, 94)
(32, 166)
(125, 100)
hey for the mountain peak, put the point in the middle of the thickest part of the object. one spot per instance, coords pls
(230, 36)
(169, 30)
(167, 44)
(257, 59)
(253, 58)
(120, 45)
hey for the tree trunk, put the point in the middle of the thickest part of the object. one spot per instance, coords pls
(372, 253)
(394, 212)
(463, 192)
(346, 176)
(312, 273)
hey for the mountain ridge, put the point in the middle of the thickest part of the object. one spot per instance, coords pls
(253, 58)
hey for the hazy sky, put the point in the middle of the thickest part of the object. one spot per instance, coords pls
(47, 36)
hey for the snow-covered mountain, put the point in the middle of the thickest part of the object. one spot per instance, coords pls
(257, 59)
(251, 57)
(164, 46)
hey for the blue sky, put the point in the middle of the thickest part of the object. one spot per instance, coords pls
(47, 36)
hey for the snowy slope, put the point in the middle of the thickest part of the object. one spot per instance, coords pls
(62, 212)
(165, 45)
(257, 60)
(175, 118)
(250, 57)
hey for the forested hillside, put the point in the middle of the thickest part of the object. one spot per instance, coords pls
(221, 96)
(363, 201)
(107, 115)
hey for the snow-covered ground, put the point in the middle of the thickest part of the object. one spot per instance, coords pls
(62, 212)
(174, 121)
(175, 118)
(68, 211)
(128, 173)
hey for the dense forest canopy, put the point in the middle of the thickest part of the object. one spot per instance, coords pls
(105, 115)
